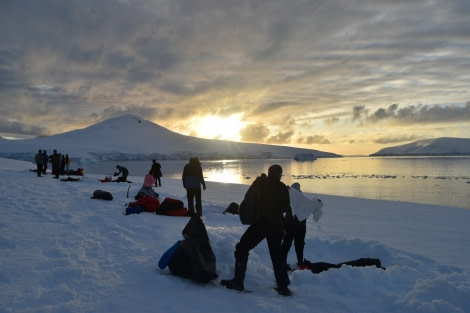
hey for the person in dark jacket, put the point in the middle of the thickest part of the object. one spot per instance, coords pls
(192, 181)
(45, 159)
(39, 162)
(124, 173)
(55, 161)
(274, 203)
(156, 171)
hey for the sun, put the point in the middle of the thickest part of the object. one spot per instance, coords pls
(215, 127)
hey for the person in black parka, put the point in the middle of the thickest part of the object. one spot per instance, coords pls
(124, 173)
(156, 171)
(274, 203)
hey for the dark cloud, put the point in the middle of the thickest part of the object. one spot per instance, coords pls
(419, 114)
(9, 127)
(269, 107)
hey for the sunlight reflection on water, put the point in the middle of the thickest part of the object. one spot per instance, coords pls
(433, 180)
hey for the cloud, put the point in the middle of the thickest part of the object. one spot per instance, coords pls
(280, 137)
(419, 114)
(174, 61)
(314, 139)
(391, 139)
(255, 133)
(16, 128)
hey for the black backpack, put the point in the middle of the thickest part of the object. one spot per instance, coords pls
(250, 207)
(102, 195)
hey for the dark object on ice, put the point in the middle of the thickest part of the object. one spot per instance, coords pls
(70, 179)
(172, 207)
(232, 208)
(319, 267)
(102, 195)
(194, 257)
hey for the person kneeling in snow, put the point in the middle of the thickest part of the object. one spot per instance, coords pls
(122, 170)
(146, 190)
(296, 224)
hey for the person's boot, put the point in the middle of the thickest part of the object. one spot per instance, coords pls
(236, 283)
(284, 291)
(232, 284)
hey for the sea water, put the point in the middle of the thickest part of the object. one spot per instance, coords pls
(431, 180)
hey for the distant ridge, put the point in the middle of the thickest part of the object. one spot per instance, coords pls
(431, 147)
(130, 137)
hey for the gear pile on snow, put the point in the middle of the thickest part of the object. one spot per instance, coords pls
(192, 257)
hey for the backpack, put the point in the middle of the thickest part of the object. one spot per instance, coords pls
(172, 207)
(232, 208)
(102, 195)
(250, 207)
(193, 257)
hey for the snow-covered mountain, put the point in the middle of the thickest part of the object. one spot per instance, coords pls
(438, 146)
(130, 137)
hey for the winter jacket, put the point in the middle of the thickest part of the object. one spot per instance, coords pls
(192, 175)
(274, 203)
(55, 159)
(156, 170)
(123, 170)
(38, 158)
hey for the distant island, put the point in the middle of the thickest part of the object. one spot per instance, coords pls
(444, 146)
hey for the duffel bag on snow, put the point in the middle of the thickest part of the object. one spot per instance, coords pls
(102, 195)
(172, 207)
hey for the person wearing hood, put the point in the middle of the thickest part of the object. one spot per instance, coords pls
(296, 224)
(192, 181)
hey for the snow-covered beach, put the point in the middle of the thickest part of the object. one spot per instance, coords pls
(62, 251)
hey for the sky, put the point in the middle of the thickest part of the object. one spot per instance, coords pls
(348, 77)
(77, 254)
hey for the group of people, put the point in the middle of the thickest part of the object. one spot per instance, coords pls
(282, 221)
(60, 163)
(152, 178)
(283, 214)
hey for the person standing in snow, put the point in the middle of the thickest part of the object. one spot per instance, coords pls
(296, 224)
(274, 203)
(156, 171)
(45, 159)
(55, 161)
(39, 161)
(192, 181)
